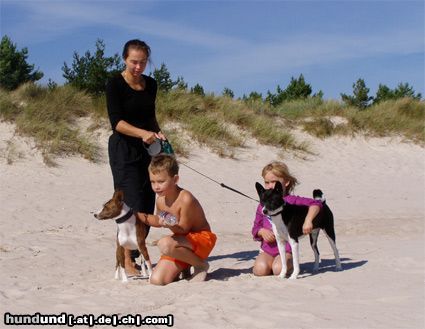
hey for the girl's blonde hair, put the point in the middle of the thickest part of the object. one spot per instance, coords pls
(281, 170)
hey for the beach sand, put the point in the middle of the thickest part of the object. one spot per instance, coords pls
(56, 257)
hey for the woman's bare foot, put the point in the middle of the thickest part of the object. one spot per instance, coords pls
(200, 273)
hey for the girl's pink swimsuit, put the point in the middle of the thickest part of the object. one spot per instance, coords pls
(262, 221)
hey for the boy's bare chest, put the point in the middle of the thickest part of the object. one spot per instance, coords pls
(174, 208)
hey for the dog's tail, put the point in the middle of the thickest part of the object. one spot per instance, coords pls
(318, 195)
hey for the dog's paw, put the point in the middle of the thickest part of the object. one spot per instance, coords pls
(293, 277)
(338, 268)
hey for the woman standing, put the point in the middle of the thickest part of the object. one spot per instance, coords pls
(130, 98)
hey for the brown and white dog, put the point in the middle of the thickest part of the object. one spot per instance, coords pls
(131, 233)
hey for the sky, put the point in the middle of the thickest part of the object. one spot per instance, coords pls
(246, 46)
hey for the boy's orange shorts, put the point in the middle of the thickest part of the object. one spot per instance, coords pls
(202, 243)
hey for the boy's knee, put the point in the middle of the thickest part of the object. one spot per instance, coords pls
(159, 279)
(166, 245)
(156, 280)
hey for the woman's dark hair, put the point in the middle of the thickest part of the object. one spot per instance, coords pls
(136, 44)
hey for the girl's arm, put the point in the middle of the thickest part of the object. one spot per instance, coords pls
(314, 207)
(313, 211)
(258, 224)
(259, 231)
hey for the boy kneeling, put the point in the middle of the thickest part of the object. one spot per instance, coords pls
(192, 240)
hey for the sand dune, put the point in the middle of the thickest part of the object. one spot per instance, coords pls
(55, 257)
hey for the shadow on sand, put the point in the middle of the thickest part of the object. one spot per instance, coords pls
(240, 256)
(224, 274)
(326, 265)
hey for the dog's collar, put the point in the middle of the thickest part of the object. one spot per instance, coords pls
(126, 215)
(275, 214)
(279, 211)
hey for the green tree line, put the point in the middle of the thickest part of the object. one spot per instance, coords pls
(89, 72)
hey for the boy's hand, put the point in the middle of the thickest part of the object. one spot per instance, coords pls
(148, 219)
(142, 217)
(161, 221)
(267, 235)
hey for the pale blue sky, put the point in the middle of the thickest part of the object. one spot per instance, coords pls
(242, 45)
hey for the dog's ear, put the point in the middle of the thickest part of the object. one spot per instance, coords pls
(260, 189)
(118, 195)
(278, 187)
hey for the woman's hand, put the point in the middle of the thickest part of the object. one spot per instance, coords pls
(149, 137)
(160, 135)
(267, 235)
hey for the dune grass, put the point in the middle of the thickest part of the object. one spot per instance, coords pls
(403, 117)
(51, 117)
(212, 120)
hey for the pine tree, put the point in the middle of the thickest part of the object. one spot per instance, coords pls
(360, 96)
(227, 92)
(296, 89)
(163, 78)
(403, 90)
(91, 72)
(198, 90)
(14, 69)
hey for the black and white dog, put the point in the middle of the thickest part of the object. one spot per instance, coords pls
(287, 222)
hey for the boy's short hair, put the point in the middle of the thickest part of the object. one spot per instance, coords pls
(165, 162)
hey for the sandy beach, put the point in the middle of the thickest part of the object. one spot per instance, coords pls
(56, 257)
